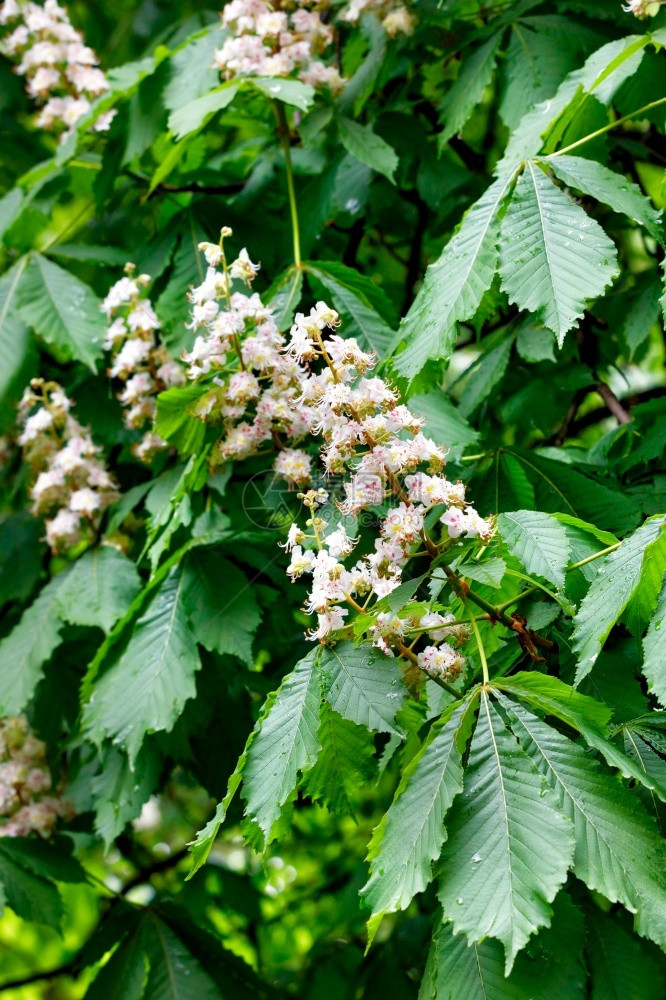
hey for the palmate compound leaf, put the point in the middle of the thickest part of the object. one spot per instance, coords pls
(454, 285)
(144, 687)
(538, 541)
(410, 836)
(618, 851)
(362, 685)
(284, 743)
(25, 650)
(553, 256)
(509, 846)
(618, 579)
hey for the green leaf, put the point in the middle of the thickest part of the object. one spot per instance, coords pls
(192, 69)
(585, 714)
(554, 697)
(284, 296)
(125, 971)
(368, 147)
(541, 51)
(498, 875)
(560, 486)
(174, 973)
(550, 969)
(467, 90)
(601, 75)
(62, 310)
(119, 791)
(362, 685)
(174, 421)
(535, 344)
(553, 256)
(25, 650)
(619, 576)
(490, 571)
(642, 313)
(509, 846)
(29, 893)
(621, 967)
(410, 835)
(538, 541)
(345, 765)
(284, 744)
(654, 656)
(614, 190)
(99, 588)
(195, 114)
(145, 686)
(359, 301)
(456, 969)
(454, 285)
(220, 603)
(618, 852)
(293, 92)
(16, 346)
(486, 372)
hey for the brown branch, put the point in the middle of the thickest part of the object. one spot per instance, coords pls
(613, 403)
(68, 969)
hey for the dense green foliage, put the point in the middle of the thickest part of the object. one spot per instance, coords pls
(482, 203)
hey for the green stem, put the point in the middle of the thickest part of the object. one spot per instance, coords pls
(597, 555)
(283, 132)
(479, 641)
(607, 128)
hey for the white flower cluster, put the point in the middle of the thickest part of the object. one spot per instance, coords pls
(263, 41)
(396, 18)
(378, 445)
(138, 359)
(25, 781)
(642, 8)
(72, 486)
(60, 69)
(253, 385)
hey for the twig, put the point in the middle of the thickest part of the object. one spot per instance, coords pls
(613, 403)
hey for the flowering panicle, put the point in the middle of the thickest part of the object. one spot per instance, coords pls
(378, 445)
(264, 41)
(253, 386)
(60, 69)
(72, 487)
(138, 359)
(25, 782)
(395, 17)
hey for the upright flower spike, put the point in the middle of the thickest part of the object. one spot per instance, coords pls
(253, 387)
(377, 444)
(28, 804)
(71, 485)
(138, 358)
(60, 69)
